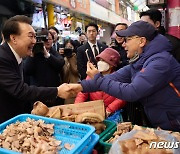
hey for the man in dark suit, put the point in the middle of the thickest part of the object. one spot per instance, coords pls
(19, 38)
(88, 51)
(45, 71)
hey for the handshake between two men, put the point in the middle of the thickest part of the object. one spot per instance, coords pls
(71, 90)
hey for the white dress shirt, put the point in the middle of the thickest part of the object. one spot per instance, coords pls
(18, 58)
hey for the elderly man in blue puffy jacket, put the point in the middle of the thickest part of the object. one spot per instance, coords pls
(152, 77)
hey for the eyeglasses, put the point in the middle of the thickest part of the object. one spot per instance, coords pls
(126, 39)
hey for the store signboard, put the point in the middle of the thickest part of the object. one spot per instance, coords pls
(156, 3)
(81, 6)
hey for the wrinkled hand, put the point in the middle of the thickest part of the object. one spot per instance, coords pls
(91, 70)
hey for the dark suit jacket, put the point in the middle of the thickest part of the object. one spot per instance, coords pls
(44, 71)
(58, 45)
(82, 58)
(14, 93)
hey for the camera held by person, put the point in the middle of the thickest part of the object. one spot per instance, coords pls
(41, 37)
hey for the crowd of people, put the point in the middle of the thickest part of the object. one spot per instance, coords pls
(140, 65)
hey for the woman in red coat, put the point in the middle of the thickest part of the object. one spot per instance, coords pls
(107, 62)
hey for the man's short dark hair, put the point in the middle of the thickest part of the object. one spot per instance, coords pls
(11, 26)
(154, 15)
(124, 24)
(91, 24)
(54, 28)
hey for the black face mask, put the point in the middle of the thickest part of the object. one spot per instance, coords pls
(68, 52)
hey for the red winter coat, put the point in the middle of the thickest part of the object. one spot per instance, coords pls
(111, 103)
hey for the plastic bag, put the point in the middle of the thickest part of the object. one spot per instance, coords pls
(116, 117)
(116, 148)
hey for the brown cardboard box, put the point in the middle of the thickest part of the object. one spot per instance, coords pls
(91, 106)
